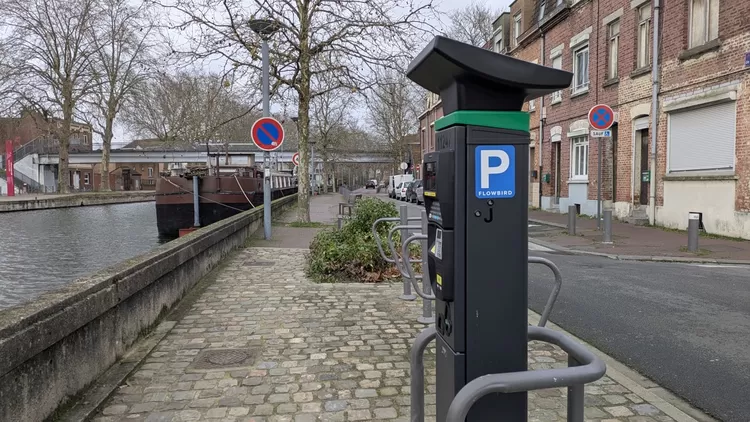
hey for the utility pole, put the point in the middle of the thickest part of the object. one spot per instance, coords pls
(265, 28)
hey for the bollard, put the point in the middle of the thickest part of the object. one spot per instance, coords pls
(572, 220)
(693, 230)
(427, 317)
(607, 227)
(404, 215)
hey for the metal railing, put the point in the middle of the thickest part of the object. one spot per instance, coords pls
(583, 367)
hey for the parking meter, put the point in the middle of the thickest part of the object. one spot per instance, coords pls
(476, 197)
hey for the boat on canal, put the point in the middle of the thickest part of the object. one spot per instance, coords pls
(221, 193)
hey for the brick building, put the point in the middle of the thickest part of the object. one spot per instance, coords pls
(703, 120)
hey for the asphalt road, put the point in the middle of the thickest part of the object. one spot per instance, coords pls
(685, 326)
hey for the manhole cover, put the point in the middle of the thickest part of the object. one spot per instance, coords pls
(259, 263)
(224, 359)
(227, 357)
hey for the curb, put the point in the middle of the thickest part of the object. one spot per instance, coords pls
(673, 406)
(646, 258)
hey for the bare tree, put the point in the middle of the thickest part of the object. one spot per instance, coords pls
(393, 110)
(53, 50)
(318, 46)
(331, 127)
(472, 24)
(120, 38)
(188, 109)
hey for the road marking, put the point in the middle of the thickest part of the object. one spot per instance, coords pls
(723, 266)
(538, 248)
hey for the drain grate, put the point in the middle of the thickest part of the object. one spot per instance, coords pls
(224, 359)
(258, 263)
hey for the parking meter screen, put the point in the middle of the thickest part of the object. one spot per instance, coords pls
(430, 177)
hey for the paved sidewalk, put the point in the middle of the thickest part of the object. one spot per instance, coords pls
(635, 241)
(264, 343)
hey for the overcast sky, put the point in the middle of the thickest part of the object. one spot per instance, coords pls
(122, 136)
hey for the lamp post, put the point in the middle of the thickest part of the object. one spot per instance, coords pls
(265, 28)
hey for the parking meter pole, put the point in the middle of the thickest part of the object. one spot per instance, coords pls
(404, 221)
(476, 198)
(426, 317)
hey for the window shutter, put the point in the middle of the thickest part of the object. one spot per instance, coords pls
(703, 138)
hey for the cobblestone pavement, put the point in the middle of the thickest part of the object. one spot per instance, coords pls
(298, 351)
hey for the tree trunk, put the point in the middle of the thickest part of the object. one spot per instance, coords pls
(303, 114)
(63, 185)
(303, 200)
(106, 147)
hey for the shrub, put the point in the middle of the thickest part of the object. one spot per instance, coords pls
(350, 254)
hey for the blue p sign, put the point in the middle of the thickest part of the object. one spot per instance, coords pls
(495, 171)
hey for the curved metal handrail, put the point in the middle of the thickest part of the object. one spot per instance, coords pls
(591, 369)
(417, 372)
(393, 249)
(555, 291)
(378, 242)
(411, 276)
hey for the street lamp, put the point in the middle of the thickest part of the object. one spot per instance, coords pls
(265, 28)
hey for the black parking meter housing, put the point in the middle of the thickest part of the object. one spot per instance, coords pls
(476, 197)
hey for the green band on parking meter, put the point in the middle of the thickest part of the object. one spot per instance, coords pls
(512, 120)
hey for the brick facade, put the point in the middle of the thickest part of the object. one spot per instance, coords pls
(710, 73)
(698, 77)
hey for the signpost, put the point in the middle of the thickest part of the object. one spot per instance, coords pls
(295, 159)
(268, 135)
(601, 118)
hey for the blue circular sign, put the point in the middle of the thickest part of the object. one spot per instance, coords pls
(601, 117)
(267, 133)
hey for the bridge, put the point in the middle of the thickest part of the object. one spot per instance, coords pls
(196, 156)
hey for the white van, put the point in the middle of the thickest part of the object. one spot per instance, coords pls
(395, 181)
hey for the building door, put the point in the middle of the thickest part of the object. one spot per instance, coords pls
(77, 180)
(126, 179)
(644, 174)
(558, 172)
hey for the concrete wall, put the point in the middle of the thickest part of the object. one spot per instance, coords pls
(714, 198)
(53, 348)
(42, 202)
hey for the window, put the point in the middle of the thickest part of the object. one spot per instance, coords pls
(86, 178)
(695, 145)
(516, 28)
(150, 172)
(614, 47)
(643, 53)
(704, 21)
(581, 69)
(557, 64)
(541, 9)
(532, 107)
(579, 163)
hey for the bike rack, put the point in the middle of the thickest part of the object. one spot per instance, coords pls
(427, 316)
(583, 367)
(555, 290)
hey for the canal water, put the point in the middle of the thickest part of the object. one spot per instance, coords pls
(44, 250)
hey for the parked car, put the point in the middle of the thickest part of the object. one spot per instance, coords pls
(411, 191)
(397, 191)
(371, 184)
(404, 188)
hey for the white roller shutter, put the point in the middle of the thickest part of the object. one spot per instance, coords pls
(702, 138)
